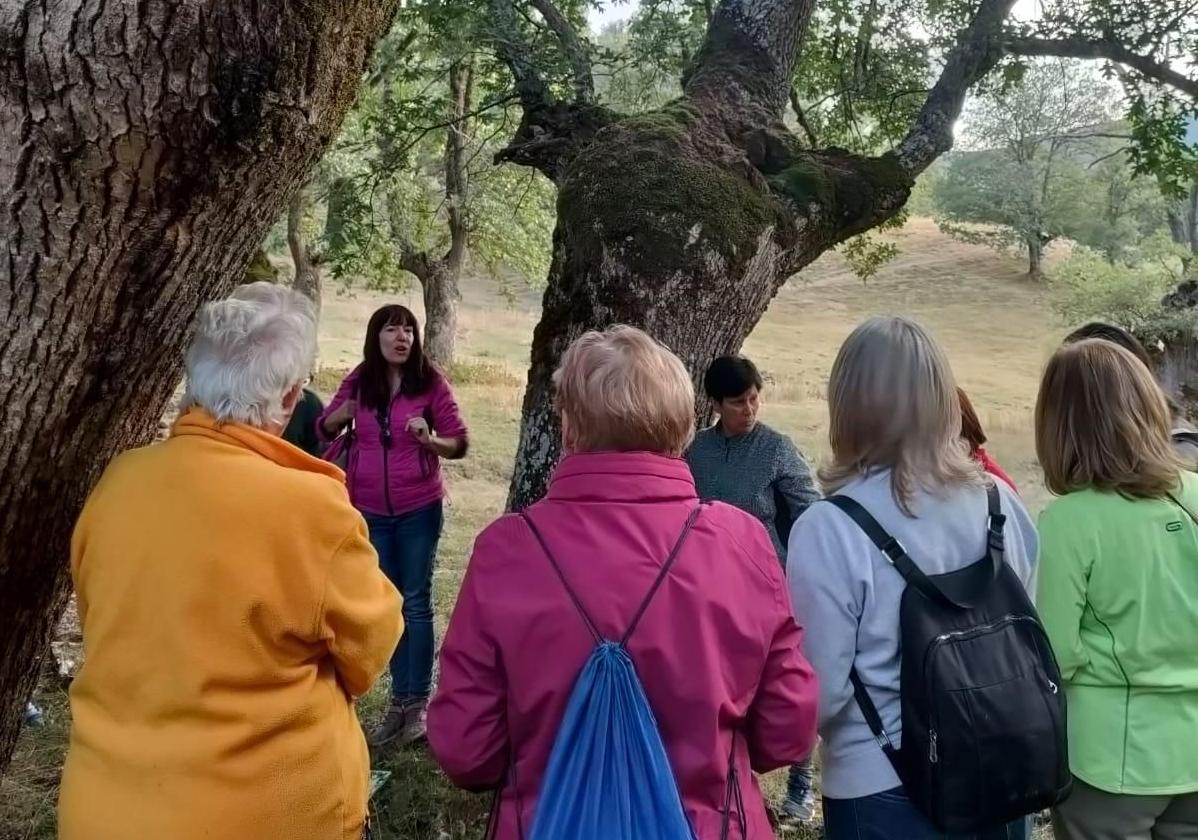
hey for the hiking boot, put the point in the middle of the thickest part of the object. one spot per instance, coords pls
(392, 726)
(799, 811)
(415, 727)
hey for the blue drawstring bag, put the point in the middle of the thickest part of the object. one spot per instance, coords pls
(609, 777)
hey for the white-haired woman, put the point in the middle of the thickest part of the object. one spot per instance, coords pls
(717, 651)
(231, 606)
(895, 426)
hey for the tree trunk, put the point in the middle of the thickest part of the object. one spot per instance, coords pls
(148, 148)
(440, 276)
(307, 270)
(685, 222)
(440, 287)
(1035, 258)
(1177, 369)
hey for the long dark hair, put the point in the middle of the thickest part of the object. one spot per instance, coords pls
(374, 388)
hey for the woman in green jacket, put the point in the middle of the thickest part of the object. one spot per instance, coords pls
(1118, 595)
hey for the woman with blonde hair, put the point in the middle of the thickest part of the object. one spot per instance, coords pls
(716, 648)
(895, 426)
(1119, 595)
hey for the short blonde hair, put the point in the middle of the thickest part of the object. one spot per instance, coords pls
(892, 404)
(623, 391)
(1103, 422)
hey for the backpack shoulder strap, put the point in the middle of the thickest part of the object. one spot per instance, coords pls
(644, 605)
(665, 570)
(872, 719)
(996, 523)
(891, 549)
(586, 618)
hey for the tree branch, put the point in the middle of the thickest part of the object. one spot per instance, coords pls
(411, 259)
(461, 90)
(976, 53)
(514, 52)
(1099, 161)
(801, 116)
(1108, 50)
(749, 53)
(572, 46)
(550, 131)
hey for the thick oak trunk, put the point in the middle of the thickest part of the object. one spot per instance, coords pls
(667, 223)
(147, 148)
(685, 222)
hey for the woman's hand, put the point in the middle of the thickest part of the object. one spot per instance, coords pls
(441, 447)
(418, 428)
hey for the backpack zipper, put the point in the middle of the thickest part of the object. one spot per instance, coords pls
(957, 636)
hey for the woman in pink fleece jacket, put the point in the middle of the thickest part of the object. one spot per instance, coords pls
(405, 420)
(717, 650)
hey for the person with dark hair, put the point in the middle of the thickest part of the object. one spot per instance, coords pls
(301, 429)
(402, 421)
(745, 463)
(1185, 436)
(972, 434)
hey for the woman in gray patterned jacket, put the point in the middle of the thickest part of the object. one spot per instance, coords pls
(747, 464)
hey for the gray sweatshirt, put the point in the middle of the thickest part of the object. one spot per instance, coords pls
(754, 472)
(846, 597)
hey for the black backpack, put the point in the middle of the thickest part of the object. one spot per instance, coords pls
(983, 709)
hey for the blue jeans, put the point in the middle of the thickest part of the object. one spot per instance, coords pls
(407, 549)
(890, 815)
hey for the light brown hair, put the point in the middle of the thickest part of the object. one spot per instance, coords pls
(619, 390)
(893, 404)
(1102, 422)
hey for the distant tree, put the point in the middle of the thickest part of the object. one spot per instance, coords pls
(1026, 189)
(417, 192)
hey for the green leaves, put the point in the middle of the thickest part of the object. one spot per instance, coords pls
(1087, 286)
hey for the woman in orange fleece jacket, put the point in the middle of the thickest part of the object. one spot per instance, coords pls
(232, 608)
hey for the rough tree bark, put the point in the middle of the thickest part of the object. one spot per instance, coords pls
(686, 221)
(147, 148)
(306, 280)
(440, 276)
(1183, 225)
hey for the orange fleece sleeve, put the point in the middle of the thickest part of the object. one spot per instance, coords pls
(360, 617)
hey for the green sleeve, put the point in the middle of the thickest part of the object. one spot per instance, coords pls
(1061, 592)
